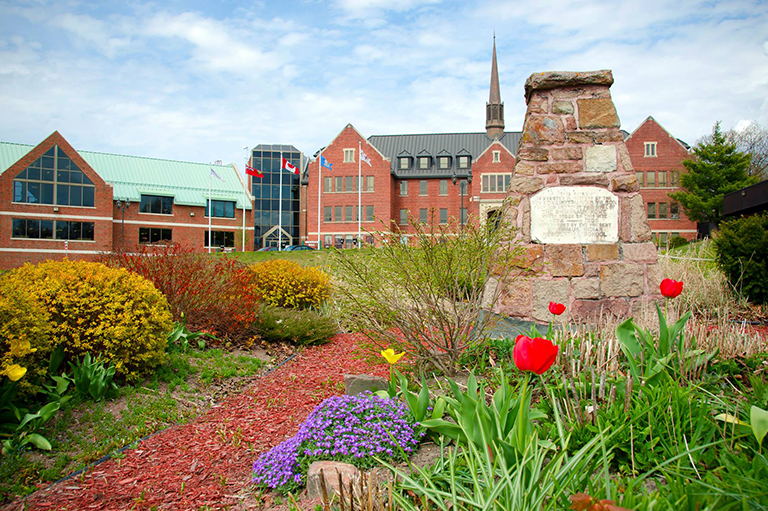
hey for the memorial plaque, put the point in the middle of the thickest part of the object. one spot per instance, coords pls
(578, 215)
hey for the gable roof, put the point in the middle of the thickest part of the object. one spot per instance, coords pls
(650, 118)
(132, 176)
(433, 144)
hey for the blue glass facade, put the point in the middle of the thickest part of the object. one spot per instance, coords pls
(267, 194)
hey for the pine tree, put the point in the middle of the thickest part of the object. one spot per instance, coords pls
(717, 170)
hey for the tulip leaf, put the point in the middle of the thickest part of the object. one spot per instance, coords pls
(730, 419)
(663, 331)
(759, 419)
(38, 441)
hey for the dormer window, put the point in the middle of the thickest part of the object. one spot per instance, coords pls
(404, 162)
(444, 162)
(463, 162)
(424, 162)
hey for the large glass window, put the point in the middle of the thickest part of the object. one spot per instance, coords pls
(221, 209)
(224, 239)
(156, 204)
(54, 179)
(74, 230)
(267, 158)
(494, 183)
(32, 229)
(154, 235)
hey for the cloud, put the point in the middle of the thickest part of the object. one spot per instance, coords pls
(91, 30)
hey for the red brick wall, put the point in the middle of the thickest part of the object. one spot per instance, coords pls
(486, 165)
(669, 157)
(16, 252)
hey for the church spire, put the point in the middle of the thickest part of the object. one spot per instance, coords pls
(494, 109)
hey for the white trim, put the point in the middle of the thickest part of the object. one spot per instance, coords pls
(50, 251)
(56, 216)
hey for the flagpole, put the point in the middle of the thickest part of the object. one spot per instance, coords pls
(245, 196)
(319, 187)
(359, 193)
(280, 209)
(210, 177)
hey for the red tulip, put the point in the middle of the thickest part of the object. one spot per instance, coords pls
(536, 355)
(671, 288)
(556, 308)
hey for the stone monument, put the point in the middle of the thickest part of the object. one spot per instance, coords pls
(575, 200)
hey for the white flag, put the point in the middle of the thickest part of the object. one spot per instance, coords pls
(365, 158)
(214, 174)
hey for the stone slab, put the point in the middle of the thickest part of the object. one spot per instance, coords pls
(601, 158)
(560, 79)
(357, 383)
(574, 215)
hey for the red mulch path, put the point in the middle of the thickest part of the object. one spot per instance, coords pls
(211, 456)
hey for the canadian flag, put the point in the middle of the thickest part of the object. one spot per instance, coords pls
(290, 167)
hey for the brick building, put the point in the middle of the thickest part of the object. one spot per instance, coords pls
(57, 202)
(657, 158)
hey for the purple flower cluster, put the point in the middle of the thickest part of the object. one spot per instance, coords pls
(341, 427)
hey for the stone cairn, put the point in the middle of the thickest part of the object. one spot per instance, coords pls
(575, 199)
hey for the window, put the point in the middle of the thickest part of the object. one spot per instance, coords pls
(53, 179)
(32, 229)
(674, 179)
(496, 156)
(424, 162)
(153, 235)
(423, 215)
(662, 239)
(349, 155)
(349, 184)
(663, 209)
(651, 210)
(224, 239)
(662, 179)
(327, 214)
(462, 187)
(403, 188)
(369, 213)
(348, 213)
(444, 162)
(158, 205)
(443, 215)
(221, 209)
(74, 230)
(650, 149)
(463, 215)
(328, 184)
(443, 187)
(368, 184)
(339, 183)
(337, 213)
(403, 217)
(651, 177)
(463, 162)
(404, 162)
(494, 183)
(423, 187)
(674, 211)
(328, 240)
(640, 178)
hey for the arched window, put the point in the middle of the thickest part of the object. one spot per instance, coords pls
(53, 179)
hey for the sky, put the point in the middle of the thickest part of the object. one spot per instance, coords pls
(202, 81)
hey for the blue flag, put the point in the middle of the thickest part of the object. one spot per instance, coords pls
(325, 163)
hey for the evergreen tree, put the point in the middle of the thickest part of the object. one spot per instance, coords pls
(717, 170)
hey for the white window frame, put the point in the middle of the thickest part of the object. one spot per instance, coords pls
(349, 155)
(464, 158)
(496, 156)
(650, 150)
(501, 182)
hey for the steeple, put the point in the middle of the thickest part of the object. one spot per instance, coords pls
(494, 109)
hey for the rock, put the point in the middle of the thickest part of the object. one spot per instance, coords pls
(597, 113)
(357, 383)
(558, 79)
(330, 471)
(601, 158)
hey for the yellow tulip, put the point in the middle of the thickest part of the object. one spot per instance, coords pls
(15, 372)
(390, 355)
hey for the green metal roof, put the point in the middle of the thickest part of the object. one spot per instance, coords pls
(132, 176)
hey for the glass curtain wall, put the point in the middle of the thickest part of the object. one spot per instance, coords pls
(266, 192)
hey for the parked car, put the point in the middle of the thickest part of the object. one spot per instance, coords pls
(267, 249)
(291, 248)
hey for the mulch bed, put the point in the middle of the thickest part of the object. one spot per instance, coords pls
(207, 462)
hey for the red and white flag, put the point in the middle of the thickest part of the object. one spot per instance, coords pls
(252, 171)
(290, 167)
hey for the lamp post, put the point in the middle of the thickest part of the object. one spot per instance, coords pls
(122, 205)
(455, 179)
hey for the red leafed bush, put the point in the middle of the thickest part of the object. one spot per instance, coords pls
(216, 295)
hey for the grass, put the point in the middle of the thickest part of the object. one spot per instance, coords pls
(84, 431)
(318, 258)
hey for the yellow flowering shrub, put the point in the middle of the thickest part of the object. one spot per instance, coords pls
(286, 284)
(108, 312)
(25, 336)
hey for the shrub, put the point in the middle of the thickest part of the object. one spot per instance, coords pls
(677, 242)
(216, 295)
(25, 333)
(286, 284)
(742, 253)
(344, 428)
(109, 312)
(300, 327)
